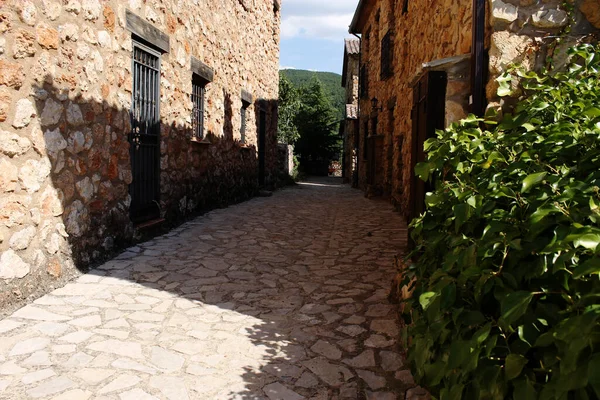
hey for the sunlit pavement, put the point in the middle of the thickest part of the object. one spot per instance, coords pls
(277, 298)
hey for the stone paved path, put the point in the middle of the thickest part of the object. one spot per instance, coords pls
(277, 298)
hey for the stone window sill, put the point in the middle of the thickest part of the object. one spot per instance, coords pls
(246, 147)
(204, 141)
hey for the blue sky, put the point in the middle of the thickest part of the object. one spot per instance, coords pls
(313, 32)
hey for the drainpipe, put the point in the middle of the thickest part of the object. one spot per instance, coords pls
(478, 58)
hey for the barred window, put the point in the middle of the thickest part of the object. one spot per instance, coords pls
(387, 56)
(243, 112)
(198, 99)
(364, 82)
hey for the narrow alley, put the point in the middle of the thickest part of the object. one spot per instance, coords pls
(277, 298)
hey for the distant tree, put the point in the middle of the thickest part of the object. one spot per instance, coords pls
(317, 124)
(289, 105)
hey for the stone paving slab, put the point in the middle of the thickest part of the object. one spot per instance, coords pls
(277, 298)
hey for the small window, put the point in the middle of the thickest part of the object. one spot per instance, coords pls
(387, 53)
(364, 82)
(243, 112)
(405, 7)
(198, 100)
(145, 107)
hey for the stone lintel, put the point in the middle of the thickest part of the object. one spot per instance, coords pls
(136, 25)
(202, 70)
(247, 97)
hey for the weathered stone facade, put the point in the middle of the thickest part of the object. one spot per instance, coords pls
(350, 125)
(65, 124)
(436, 36)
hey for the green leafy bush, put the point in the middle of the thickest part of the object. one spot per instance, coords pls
(506, 300)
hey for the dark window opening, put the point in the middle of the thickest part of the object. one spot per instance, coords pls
(243, 113)
(387, 56)
(364, 82)
(366, 140)
(198, 100)
(405, 7)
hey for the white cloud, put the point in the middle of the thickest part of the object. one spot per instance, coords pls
(316, 18)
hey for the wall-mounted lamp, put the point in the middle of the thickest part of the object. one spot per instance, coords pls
(374, 105)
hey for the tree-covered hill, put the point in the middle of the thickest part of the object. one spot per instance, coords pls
(332, 83)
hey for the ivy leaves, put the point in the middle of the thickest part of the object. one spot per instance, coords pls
(506, 302)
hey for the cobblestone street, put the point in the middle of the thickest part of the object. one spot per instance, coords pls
(282, 297)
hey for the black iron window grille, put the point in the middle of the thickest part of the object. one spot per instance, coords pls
(145, 132)
(198, 100)
(364, 82)
(145, 108)
(243, 124)
(387, 56)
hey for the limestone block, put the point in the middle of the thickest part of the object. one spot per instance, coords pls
(73, 6)
(51, 113)
(5, 100)
(12, 266)
(91, 9)
(591, 10)
(503, 12)
(27, 12)
(77, 219)
(55, 141)
(34, 173)
(68, 32)
(20, 240)
(50, 202)
(508, 48)
(74, 115)
(85, 188)
(12, 144)
(24, 112)
(47, 37)
(11, 74)
(24, 44)
(550, 19)
(9, 176)
(13, 209)
(52, 9)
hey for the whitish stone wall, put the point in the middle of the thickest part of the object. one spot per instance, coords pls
(65, 95)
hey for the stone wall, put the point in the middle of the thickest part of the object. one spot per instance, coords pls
(430, 32)
(65, 96)
(425, 33)
(350, 126)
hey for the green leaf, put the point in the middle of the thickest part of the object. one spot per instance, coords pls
(462, 212)
(482, 334)
(524, 390)
(589, 241)
(591, 266)
(532, 180)
(514, 365)
(592, 112)
(514, 305)
(426, 299)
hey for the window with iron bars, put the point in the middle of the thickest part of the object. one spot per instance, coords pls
(387, 56)
(243, 112)
(146, 91)
(364, 82)
(198, 100)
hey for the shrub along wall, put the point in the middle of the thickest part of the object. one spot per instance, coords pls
(507, 289)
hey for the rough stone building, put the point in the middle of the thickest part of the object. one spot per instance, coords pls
(120, 114)
(350, 125)
(428, 63)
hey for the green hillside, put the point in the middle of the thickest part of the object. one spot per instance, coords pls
(331, 82)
